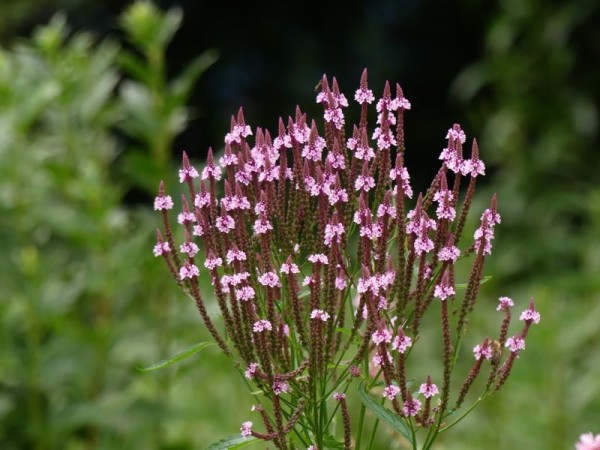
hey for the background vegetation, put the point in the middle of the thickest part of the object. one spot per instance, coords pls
(96, 105)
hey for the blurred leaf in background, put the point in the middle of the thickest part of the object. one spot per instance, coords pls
(535, 96)
(82, 301)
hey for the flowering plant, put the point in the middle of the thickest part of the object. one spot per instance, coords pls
(324, 274)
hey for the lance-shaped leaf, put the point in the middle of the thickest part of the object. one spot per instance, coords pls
(384, 414)
(178, 357)
(231, 442)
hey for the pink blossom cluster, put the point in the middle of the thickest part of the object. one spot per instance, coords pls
(320, 260)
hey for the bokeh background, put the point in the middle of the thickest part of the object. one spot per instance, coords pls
(99, 98)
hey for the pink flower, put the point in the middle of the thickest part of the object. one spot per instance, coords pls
(245, 293)
(444, 199)
(229, 159)
(449, 253)
(340, 283)
(401, 342)
(339, 396)
(318, 258)
(472, 166)
(198, 230)
(251, 370)
(364, 95)
(382, 335)
(185, 217)
(161, 248)
(281, 387)
(187, 173)
(588, 441)
(234, 202)
(163, 202)
(189, 248)
(211, 171)
(391, 391)
(313, 149)
(530, 315)
(212, 262)
(423, 244)
(289, 268)
(484, 235)
(365, 183)
(378, 358)
(225, 223)
(336, 160)
(203, 199)
(371, 231)
(237, 132)
(333, 232)
(319, 314)
(402, 172)
(246, 429)
(364, 152)
(386, 209)
(400, 103)
(336, 116)
(262, 225)
(269, 279)
(504, 303)
(384, 140)
(335, 195)
(234, 280)
(428, 389)
(411, 407)
(235, 255)
(483, 351)
(456, 133)
(443, 290)
(515, 343)
(262, 325)
(188, 271)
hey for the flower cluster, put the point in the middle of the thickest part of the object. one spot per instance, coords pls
(321, 262)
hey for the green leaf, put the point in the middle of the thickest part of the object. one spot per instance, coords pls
(343, 330)
(332, 443)
(383, 413)
(483, 281)
(231, 442)
(178, 357)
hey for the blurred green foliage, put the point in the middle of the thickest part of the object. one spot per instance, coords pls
(535, 97)
(83, 302)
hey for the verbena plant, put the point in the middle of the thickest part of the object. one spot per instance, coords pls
(324, 274)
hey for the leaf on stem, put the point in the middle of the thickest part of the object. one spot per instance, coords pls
(384, 414)
(231, 442)
(178, 357)
(331, 443)
(483, 280)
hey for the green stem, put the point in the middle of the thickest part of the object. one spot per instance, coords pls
(471, 408)
(361, 420)
(372, 439)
